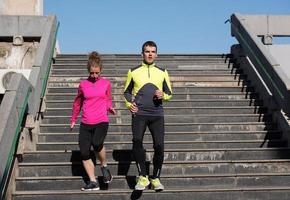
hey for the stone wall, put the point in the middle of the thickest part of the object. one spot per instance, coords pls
(17, 57)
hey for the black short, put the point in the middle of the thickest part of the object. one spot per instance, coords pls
(92, 135)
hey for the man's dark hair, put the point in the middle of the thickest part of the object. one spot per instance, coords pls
(149, 43)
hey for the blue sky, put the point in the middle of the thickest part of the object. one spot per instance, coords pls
(177, 26)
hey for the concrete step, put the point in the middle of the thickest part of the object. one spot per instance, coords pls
(175, 127)
(169, 155)
(176, 96)
(177, 144)
(218, 69)
(171, 103)
(39, 169)
(136, 61)
(169, 136)
(170, 65)
(123, 67)
(257, 193)
(190, 181)
(117, 84)
(177, 110)
(189, 89)
(118, 57)
(177, 100)
(175, 84)
(161, 57)
(205, 76)
(178, 118)
(82, 72)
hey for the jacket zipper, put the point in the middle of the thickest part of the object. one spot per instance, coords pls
(148, 72)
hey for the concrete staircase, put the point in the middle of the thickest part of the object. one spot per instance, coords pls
(220, 141)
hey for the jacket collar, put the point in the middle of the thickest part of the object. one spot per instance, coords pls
(93, 80)
(148, 65)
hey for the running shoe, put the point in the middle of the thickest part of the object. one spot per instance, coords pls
(142, 183)
(91, 186)
(107, 176)
(156, 184)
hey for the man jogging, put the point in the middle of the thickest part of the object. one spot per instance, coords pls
(147, 85)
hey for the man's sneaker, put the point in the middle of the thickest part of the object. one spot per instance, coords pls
(156, 184)
(142, 183)
(107, 177)
(91, 186)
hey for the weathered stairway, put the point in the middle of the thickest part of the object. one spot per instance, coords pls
(220, 141)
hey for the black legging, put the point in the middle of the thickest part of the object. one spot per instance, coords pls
(92, 135)
(156, 127)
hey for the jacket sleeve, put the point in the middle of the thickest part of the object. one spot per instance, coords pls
(109, 97)
(129, 85)
(77, 105)
(167, 87)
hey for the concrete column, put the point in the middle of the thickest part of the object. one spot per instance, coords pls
(21, 7)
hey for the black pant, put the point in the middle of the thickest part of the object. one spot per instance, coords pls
(92, 135)
(156, 127)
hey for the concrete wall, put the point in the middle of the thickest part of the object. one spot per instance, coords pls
(282, 54)
(32, 26)
(270, 25)
(20, 56)
(1, 5)
(21, 7)
(277, 25)
(26, 26)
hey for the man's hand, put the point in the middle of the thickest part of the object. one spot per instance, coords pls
(112, 111)
(72, 126)
(159, 94)
(134, 108)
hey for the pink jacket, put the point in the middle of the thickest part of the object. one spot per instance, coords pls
(94, 99)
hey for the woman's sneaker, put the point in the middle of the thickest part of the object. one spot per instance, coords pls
(156, 184)
(107, 177)
(91, 186)
(142, 183)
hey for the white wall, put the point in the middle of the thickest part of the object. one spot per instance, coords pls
(21, 7)
(281, 54)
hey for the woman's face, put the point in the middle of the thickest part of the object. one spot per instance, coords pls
(95, 72)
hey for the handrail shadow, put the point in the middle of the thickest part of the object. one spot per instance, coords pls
(274, 136)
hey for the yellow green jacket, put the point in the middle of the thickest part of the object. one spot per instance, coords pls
(140, 87)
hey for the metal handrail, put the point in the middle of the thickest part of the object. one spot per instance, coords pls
(44, 84)
(49, 65)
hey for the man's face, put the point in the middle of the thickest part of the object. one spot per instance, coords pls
(149, 54)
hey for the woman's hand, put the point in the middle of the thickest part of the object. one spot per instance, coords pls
(72, 125)
(112, 111)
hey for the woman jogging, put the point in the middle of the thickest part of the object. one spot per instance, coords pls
(94, 98)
